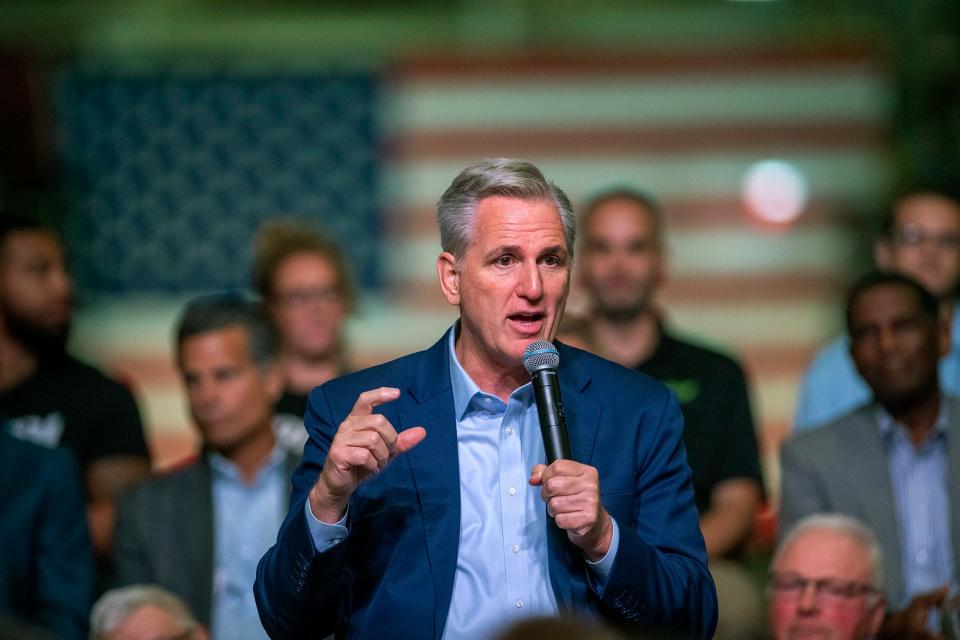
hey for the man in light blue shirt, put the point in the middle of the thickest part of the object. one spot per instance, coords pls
(423, 509)
(200, 530)
(920, 238)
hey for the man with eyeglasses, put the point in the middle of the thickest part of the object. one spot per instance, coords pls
(893, 463)
(920, 238)
(143, 612)
(824, 581)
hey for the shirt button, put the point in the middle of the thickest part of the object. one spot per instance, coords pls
(509, 431)
(488, 400)
(516, 548)
(519, 604)
(512, 491)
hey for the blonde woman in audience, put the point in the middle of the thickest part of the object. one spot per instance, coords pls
(304, 282)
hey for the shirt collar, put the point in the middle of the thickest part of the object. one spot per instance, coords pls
(224, 468)
(887, 423)
(467, 395)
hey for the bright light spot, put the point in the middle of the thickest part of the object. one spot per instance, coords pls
(775, 191)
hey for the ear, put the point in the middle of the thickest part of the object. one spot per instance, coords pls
(883, 255)
(449, 277)
(876, 617)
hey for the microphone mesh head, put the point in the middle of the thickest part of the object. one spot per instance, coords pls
(540, 354)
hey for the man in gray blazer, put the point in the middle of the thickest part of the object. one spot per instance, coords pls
(894, 464)
(199, 531)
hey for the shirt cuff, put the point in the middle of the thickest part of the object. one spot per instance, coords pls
(600, 569)
(325, 535)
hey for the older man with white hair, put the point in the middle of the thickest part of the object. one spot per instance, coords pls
(143, 612)
(825, 581)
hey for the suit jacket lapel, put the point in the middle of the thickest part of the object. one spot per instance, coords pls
(434, 465)
(195, 551)
(583, 421)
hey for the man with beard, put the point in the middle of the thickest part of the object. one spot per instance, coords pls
(825, 580)
(50, 398)
(893, 462)
(621, 267)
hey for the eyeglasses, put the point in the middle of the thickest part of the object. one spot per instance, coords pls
(830, 591)
(306, 296)
(186, 634)
(910, 235)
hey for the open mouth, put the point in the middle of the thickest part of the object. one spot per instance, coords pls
(530, 322)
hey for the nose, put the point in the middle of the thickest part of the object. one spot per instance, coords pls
(886, 340)
(203, 395)
(808, 598)
(530, 285)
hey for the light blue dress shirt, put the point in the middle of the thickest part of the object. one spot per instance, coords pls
(832, 387)
(918, 477)
(246, 518)
(502, 570)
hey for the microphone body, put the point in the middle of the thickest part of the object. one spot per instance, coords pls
(541, 360)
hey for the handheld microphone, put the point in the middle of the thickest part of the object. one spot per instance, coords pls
(541, 359)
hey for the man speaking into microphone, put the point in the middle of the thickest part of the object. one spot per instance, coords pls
(423, 507)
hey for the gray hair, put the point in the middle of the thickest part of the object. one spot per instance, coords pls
(116, 605)
(496, 177)
(841, 524)
(215, 312)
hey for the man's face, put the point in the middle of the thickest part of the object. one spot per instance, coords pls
(231, 398)
(36, 296)
(150, 622)
(307, 305)
(894, 344)
(840, 609)
(925, 243)
(512, 282)
(621, 263)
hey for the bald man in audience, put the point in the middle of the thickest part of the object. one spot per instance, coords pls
(622, 266)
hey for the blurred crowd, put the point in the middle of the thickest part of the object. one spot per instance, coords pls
(98, 545)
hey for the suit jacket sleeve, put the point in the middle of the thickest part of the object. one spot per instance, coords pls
(299, 591)
(660, 578)
(801, 494)
(64, 558)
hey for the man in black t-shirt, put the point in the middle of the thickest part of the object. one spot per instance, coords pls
(50, 398)
(621, 267)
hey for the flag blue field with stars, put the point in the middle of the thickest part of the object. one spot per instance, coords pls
(170, 173)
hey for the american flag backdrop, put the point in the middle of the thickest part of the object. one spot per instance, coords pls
(683, 126)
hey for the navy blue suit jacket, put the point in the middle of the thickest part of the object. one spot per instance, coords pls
(46, 566)
(393, 576)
